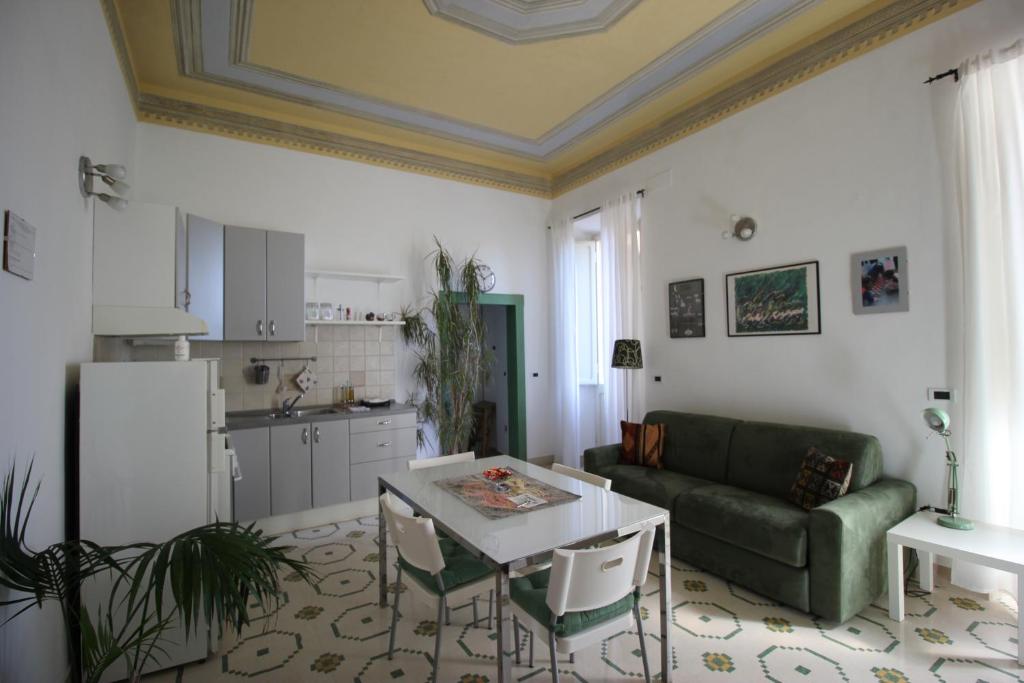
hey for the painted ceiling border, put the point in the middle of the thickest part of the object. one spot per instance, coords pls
(483, 18)
(179, 113)
(870, 32)
(215, 48)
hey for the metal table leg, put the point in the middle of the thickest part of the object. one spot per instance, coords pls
(504, 639)
(665, 600)
(382, 548)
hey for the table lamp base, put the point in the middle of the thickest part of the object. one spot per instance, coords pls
(956, 523)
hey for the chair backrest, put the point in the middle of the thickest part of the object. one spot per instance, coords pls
(468, 456)
(588, 477)
(589, 579)
(415, 537)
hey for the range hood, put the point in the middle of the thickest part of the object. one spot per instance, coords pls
(145, 321)
(133, 280)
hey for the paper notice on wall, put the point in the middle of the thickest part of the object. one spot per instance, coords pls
(19, 246)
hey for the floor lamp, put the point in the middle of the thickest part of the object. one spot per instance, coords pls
(626, 356)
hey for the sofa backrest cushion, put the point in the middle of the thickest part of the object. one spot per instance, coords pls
(697, 445)
(765, 456)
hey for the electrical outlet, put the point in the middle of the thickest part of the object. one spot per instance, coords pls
(937, 394)
(657, 378)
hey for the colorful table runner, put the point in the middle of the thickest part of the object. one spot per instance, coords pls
(512, 495)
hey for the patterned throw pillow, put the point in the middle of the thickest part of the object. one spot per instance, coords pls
(821, 478)
(642, 444)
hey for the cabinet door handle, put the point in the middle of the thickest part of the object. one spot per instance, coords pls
(188, 299)
(259, 327)
(316, 435)
(273, 328)
(305, 435)
(383, 422)
(384, 444)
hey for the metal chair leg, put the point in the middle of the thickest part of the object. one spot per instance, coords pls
(394, 612)
(531, 649)
(572, 657)
(643, 645)
(447, 616)
(442, 606)
(554, 661)
(474, 612)
(490, 611)
(515, 630)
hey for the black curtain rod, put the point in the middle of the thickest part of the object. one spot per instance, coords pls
(955, 73)
(640, 193)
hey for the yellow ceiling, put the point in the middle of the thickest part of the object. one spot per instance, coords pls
(385, 81)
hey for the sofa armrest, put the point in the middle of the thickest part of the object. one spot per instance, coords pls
(597, 458)
(847, 553)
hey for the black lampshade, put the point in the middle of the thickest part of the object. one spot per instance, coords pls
(626, 354)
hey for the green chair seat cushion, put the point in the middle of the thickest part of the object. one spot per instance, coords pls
(768, 526)
(530, 593)
(654, 486)
(460, 568)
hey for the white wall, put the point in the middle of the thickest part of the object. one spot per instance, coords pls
(358, 217)
(853, 160)
(63, 95)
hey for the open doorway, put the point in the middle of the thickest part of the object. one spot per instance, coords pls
(501, 402)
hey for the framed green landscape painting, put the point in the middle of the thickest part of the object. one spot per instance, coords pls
(774, 301)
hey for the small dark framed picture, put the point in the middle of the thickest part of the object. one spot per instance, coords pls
(879, 281)
(686, 309)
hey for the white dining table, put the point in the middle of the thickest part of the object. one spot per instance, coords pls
(508, 543)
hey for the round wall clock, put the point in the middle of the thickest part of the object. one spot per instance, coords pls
(485, 276)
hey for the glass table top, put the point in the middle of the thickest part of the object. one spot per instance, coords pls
(597, 512)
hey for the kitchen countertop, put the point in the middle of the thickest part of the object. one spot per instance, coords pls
(248, 419)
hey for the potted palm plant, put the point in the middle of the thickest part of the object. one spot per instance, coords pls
(218, 572)
(447, 336)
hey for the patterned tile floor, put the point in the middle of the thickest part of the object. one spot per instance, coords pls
(335, 632)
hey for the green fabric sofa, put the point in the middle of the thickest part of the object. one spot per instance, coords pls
(725, 484)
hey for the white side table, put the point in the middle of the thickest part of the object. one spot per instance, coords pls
(987, 544)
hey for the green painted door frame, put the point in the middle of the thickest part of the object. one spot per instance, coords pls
(516, 341)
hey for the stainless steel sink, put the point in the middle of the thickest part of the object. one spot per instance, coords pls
(303, 412)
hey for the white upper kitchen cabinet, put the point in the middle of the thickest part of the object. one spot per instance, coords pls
(263, 285)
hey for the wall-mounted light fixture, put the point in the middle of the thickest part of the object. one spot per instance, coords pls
(743, 229)
(111, 174)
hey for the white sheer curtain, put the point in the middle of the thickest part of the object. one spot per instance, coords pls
(990, 119)
(622, 311)
(565, 356)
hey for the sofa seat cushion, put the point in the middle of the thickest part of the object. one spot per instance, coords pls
(654, 486)
(531, 591)
(773, 528)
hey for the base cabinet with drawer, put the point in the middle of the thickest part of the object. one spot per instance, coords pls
(294, 467)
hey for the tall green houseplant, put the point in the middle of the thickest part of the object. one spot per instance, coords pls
(447, 336)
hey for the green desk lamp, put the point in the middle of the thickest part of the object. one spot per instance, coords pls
(938, 421)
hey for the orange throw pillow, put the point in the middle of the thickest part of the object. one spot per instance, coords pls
(642, 444)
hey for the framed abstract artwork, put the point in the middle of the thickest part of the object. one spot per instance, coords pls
(686, 309)
(879, 281)
(774, 301)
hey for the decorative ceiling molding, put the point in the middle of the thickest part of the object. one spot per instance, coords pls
(157, 109)
(526, 21)
(869, 32)
(213, 42)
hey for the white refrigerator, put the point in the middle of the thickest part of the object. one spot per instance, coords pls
(152, 464)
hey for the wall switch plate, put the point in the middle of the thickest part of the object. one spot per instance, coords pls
(937, 394)
(657, 378)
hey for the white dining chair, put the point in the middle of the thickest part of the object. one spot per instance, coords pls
(585, 597)
(435, 572)
(582, 475)
(422, 463)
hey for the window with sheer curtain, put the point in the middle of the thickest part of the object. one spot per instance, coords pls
(990, 123)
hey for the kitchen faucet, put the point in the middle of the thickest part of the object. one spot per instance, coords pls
(286, 407)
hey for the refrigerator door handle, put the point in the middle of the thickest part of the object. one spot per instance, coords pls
(236, 469)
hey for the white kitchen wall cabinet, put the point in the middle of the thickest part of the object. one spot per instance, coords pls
(263, 285)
